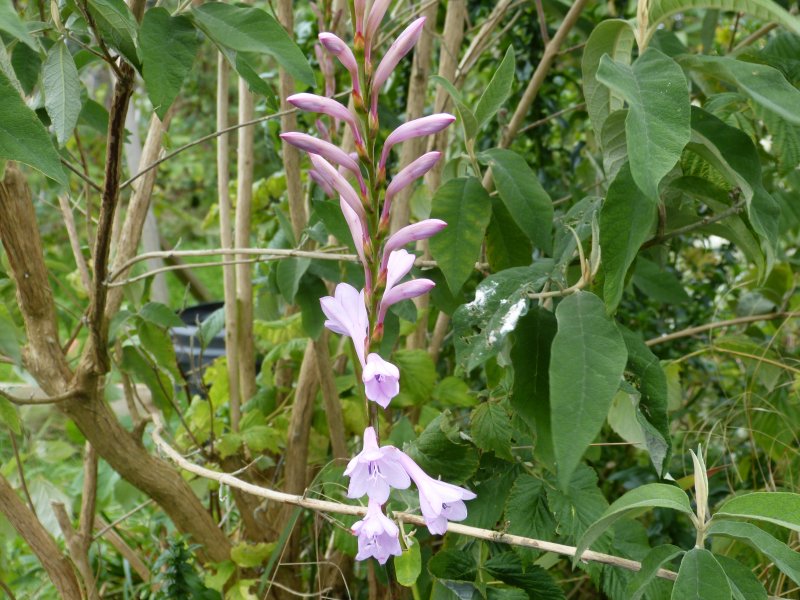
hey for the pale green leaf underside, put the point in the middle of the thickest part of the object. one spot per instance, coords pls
(62, 90)
(780, 508)
(701, 577)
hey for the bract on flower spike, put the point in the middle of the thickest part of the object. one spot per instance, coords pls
(411, 233)
(375, 470)
(341, 185)
(378, 536)
(399, 48)
(408, 175)
(347, 315)
(381, 380)
(413, 129)
(340, 50)
(327, 106)
(326, 150)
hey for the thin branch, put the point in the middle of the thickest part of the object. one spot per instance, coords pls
(109, 526)
(690, 331)
(33, 400)
(733, 210)
(550, 117)
(82, 175)
(74, 242)
(21, 472)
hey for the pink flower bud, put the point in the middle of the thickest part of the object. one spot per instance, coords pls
(413, 129)
(328, 151)
(326, 106)
(360, 9)
(411, 233)
(357, 228)
(376, 13)
(404, 291)
(416, 169)
(335, 179)
(326, 187)
(326, 66)
(340, 50)
(401, 46)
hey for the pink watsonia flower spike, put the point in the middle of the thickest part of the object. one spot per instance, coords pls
(336, 46)
(327, 106)
(356, 228)
(399, 48)
(404, 291)
(381, 380)
(375, 470)
(413, 129)
(407, 176)
(347, 315)
(439, 501)
(378, 536)
(411, 233)
(376, 13)
(326, 150)
(337, 181)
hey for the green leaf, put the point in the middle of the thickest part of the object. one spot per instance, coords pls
(491, 429)
(626, 219)
(246, 29)
(523, 195)
(117, 26)
(613, 37)
(453, 564)
(496, 93)
(289, 273)
(744, 584)
(587, 359)
(780, 508)
(786, 559)
(701, 577)
(614, 143)
(638, 500)
(309, 292)
(765, 10)
(245, 65)
(160, 315)
(228, 444)
(211, 326)
(764, 85)
(259, 438)
(22, 67)
(530, 396)
(506, 245)
(249, 555)
(468, 121)
(408, 566)
(466, 207)
(578, 506)
(439, 455)
(159, 346)
(62, 91)
(9, 416)
(655, 559)
(482, 326)
(417, 376)
(168, 48)
(658, 124)
(492, 491)
(537, 583)
(135, 365)
(22, 136)
(658, 284)
(527, 513)
(9, 339)
(453, 391)
(12, 24)
(733, 154)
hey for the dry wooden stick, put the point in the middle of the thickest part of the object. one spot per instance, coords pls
(330, 396)
(74, 241)
(690, 331)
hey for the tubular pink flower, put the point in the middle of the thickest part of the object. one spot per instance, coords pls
(411, 233)
(378, 536)
(326, 187)
(439, 501)
(327, 106)
(381, 380)
(336, 46)
(399, 48)
(356, 228)
(347, 315)
(360, 8)
(376, 13)
(375, 470)
(326, 150)
(326, 66)
(404, 291)
(336, 180)
(413, 129)
(408, 175)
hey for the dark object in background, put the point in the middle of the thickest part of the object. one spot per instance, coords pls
(192, 357)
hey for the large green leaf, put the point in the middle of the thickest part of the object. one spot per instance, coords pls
(440, 456)
(523, 195)
(9, 416)
(527, 513)
(701, 577)
(496, 93)
(786, 559)
(168, 47)
(490, 427)
(22, 136)
(530, 396)
(579, 505)
(11, 23)
(766, 10)
(587, 360)
(780, 508)
(117, 26)
(744, 584)
(506, 245)
(763, 84)
(246, 29)
(466, 207)
(638, 500)
(408, 566)
(613, 37)
(733, 154)
(651, 563)
(615, 144)
(658, 124)
(626, 219)
(534, 580)
(62, 91)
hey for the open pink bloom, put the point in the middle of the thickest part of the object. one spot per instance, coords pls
(404, 291)
(376, 13)
(326, 150)
(407, 176)
(336, 46)
(337, 181)
(413, 129)
(378, 536)
(327, 106)
(381, 380)
(411, 233)
(347, 315)
(399, 48)
(439, 501)
(375, 470)
(398, 266)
